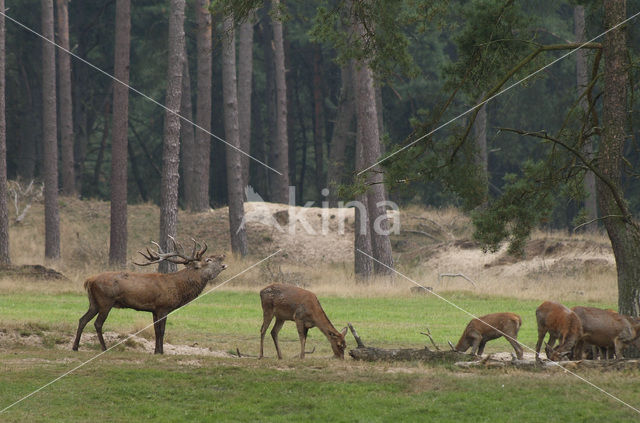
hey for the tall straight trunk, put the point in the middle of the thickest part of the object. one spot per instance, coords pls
(367, 119)
(4, 212)
(81, 117)
(271, 109)
(590, 203)
(300, 115)
(481, 158)
(379, 111)
(280, 147)
(171, 144)
(203, 110)
(341, 133)
(363, 264)
(119, 137)
(623, 232)
(318, 120)
(245, 73)
(49, 136)
(187, 136)
(66, 109)
(27, 148)
(234, 166)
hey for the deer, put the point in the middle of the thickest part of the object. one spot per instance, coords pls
(605, 329)
(288, 302)
(487, 328)
(157, 293)
(561, 323)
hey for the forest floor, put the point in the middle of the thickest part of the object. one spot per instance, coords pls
(200, 379)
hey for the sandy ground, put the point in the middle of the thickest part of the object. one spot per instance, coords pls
(111, 339)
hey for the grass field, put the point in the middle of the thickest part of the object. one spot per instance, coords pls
(127, 384)
(38, 320)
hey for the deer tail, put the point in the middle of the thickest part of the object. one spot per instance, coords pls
(86, 284)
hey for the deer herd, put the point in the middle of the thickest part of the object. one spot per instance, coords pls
(598, 333)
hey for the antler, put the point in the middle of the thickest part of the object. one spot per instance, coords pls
(176, 256)
(198, 250)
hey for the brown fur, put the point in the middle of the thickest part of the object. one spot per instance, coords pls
(561, 323)
(155, 292)
(605, 329)
(486, 328)
(288, 302)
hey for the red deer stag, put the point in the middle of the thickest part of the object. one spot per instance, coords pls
(604, 329)
(561, 323)
(287, 302)
(487, 328)
(155, 292)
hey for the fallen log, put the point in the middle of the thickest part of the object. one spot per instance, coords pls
(365, 353)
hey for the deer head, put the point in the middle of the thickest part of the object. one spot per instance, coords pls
(211, 265)
(338, 343)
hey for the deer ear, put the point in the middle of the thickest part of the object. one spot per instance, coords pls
(344, 331)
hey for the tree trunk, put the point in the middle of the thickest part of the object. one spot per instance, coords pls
(590, 204)
(171, 145)
(203, 110)
(232, 134)
(4, 212)
(623, 232)
(81, 118)
(481, 158)
(303, 135)
(270, 115)
(66, 110)
(280, 147)
(245, 73)
(187, 136)
(379, 109)
(341, 133)
(119, 137)
(318, 121)
(103, 144)
(363, 264)
(365, 100)
(49, 136)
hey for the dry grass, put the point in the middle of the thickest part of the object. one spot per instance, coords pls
(557, 266)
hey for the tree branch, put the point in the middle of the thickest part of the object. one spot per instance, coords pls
(626, 215)
(513, 71)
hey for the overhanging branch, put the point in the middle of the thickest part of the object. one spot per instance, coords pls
(626, 215)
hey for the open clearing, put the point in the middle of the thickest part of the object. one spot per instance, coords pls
(199, 380)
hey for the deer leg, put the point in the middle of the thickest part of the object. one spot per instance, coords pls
(516, 347)
(102, 316)
(477, 340)
(93, 310)
(159, 323)
(302, 333)
(541, 334)
(267, 317)
(274, 334)
(618, 346)
(481, 346)
(551, 343)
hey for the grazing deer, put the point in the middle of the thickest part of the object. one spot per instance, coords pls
(288, 302)
(605, 329)
(561, 323)
(486, 328)
(155, 292)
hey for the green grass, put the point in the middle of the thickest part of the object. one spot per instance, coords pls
(229, 319)
(133, 386)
